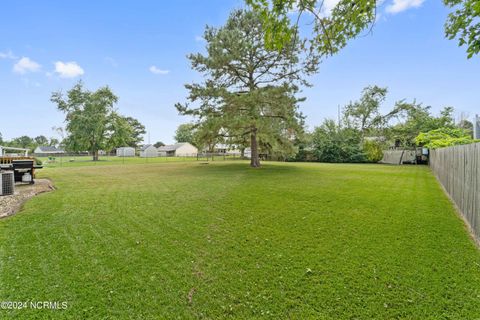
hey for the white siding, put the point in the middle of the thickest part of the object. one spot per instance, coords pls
(149, 152)
(125, 152)
(186, 150)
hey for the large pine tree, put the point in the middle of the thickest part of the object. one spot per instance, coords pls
(248, 89)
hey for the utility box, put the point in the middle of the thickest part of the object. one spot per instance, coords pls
(7, 183)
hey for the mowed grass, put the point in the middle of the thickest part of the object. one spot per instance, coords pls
(189, 240)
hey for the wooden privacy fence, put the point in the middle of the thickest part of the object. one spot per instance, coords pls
(457, 169)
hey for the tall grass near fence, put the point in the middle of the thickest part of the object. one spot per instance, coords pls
(458, 170)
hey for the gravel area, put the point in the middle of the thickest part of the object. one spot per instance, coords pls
(10, 205)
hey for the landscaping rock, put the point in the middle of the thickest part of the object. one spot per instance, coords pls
(10, 205)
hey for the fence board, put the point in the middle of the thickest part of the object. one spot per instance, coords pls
(457, 169)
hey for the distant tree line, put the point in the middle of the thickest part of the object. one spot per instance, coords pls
(29, 142)
(362, 131)
(360, 134)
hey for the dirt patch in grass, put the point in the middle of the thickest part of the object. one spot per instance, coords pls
(10, 205)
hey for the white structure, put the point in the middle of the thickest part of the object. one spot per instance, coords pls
(476, 127)
(125, 152)
(4, 153)
(148, 151)
(50, 150)
(183, 149)
(221, 148)
(247, 153)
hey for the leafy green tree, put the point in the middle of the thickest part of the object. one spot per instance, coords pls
(329, 33)
(364, 114)
(467, 126)
(349, 18)
(185, 133)
(138, 131)
(23, 142)
(249, 90)
(208, 133)
(305, 148)
(464, 23)
(1, 139)
(53, 142)
(373, 150)
(415, 118)
(158, 144)
(333, 143)
(444, 137)
(119, 132)
(41, 141)
(92, 122)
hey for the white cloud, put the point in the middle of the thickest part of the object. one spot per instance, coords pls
(155, 70)
(328, 6)
(68, 69)
(25, 65)
(7, 55)
(199, 39)
(401, 5)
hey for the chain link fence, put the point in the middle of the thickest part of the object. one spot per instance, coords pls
(83, 159)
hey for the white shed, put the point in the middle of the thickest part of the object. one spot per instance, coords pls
(148, 151)
(183, 149)
(125, 152)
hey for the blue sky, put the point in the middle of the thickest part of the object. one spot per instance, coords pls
(139, 49)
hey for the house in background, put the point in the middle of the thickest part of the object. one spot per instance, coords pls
(148, 151)
(221, 148)
(48, 151)
(183, 149)
(125, 152)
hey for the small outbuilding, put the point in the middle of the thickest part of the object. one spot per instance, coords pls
(183, 149)
(125, 152)
(148, 151)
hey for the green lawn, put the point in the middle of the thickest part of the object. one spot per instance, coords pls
(189, 240)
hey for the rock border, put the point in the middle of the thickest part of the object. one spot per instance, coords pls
(10, 205)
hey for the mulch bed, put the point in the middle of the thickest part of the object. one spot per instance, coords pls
(10, 205)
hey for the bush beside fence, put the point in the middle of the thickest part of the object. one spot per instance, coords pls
(457, 169)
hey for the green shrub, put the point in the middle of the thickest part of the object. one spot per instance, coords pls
(372, 150)
(444, 137)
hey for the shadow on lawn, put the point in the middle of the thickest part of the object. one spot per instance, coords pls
(244, 167)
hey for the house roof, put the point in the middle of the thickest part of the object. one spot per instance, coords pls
(172, 147)
(145, 147)
(49, 149)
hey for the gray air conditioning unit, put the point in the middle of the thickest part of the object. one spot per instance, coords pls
(7, 183)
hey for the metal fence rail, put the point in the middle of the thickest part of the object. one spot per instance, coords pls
(457, 169)
(75, 159)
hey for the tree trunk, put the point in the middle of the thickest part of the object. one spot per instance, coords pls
(254, 159)
(242, 152)
(95, 155)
